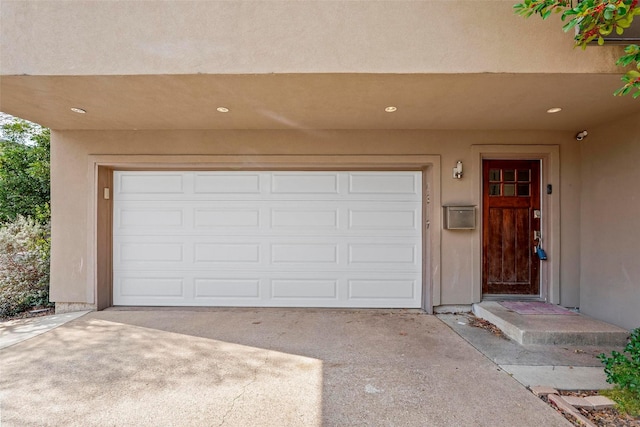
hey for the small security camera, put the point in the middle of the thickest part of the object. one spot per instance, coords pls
(581, 135)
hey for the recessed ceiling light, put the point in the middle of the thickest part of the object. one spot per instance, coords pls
(222, 110)
(554, 110)
(391, 109)
(78, 110)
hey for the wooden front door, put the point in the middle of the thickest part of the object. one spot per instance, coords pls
(511, 207)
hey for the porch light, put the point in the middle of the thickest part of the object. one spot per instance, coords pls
(78, 110)
(391, 109)
(457, 171)
(581, 135)
(554, 110)
(222, 110)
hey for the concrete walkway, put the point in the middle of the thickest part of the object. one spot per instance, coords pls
(15, 331)
(259, 367)
(564, 367)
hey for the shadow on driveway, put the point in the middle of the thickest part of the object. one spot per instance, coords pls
(259, 367)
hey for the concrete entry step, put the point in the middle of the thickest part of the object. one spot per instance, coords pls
(550, 329)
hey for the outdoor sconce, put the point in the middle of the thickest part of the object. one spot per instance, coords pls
(581, 135)
(457, 171)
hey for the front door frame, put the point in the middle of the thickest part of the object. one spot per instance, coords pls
(549, 156)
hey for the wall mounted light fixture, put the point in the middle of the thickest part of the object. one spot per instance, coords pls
(457, 171)
(581, 135)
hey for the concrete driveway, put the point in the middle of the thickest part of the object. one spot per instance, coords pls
(259, 367)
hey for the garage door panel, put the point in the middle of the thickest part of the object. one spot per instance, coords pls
(284, 253)
(304, 253)
(150, 183)
(267, 186)
(383, 289)
(309, 218)
(156, 287)
(226, 183)
(305, 183)
(299, 289)
(145, 218)
(392, 183)
(151, 252)
(279, 218)
(374, 218)
(374, 253)
(304, 288)
(227, 252)
(321, 239)
(226, 288)
(224, 218)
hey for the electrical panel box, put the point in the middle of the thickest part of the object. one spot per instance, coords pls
(459, 217)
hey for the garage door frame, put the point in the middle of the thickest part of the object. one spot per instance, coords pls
(101, 167)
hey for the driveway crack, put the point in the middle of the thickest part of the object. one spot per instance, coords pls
(244, 390)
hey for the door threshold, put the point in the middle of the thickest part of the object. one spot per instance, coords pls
(512, 297)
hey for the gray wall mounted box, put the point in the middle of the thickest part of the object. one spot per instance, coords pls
(459, 217)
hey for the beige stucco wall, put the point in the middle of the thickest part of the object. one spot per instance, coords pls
(570, 188)
(108, 37)
(610, 223)
(72, 181)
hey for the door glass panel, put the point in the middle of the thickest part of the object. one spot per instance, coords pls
(494, 174)
(523, 175)
(509, 175)
(494, 189)
(523, 190)
(509, 189)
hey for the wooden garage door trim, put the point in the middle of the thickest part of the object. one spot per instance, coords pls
(99, 166)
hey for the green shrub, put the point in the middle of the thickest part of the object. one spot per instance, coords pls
(626, 401)
(24, 266)
(624, 372)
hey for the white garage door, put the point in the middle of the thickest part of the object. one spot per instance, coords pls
(271, 239)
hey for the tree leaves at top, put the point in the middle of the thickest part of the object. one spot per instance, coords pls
(594, 19)
(24, 172)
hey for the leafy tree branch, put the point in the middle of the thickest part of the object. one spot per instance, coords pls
(594, 20)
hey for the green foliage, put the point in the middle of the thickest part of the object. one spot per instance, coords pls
(595, 19)
(631, 78)
(624, 372)
(625, 400)
(543, 8)
(24, 266)
(24, 172)
(24, 217)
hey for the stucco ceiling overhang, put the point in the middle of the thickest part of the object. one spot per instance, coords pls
(317, 101)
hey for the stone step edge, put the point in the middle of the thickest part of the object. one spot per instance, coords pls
(524, 337)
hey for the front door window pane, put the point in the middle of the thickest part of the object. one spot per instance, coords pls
(523, 189)
(509, 189)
